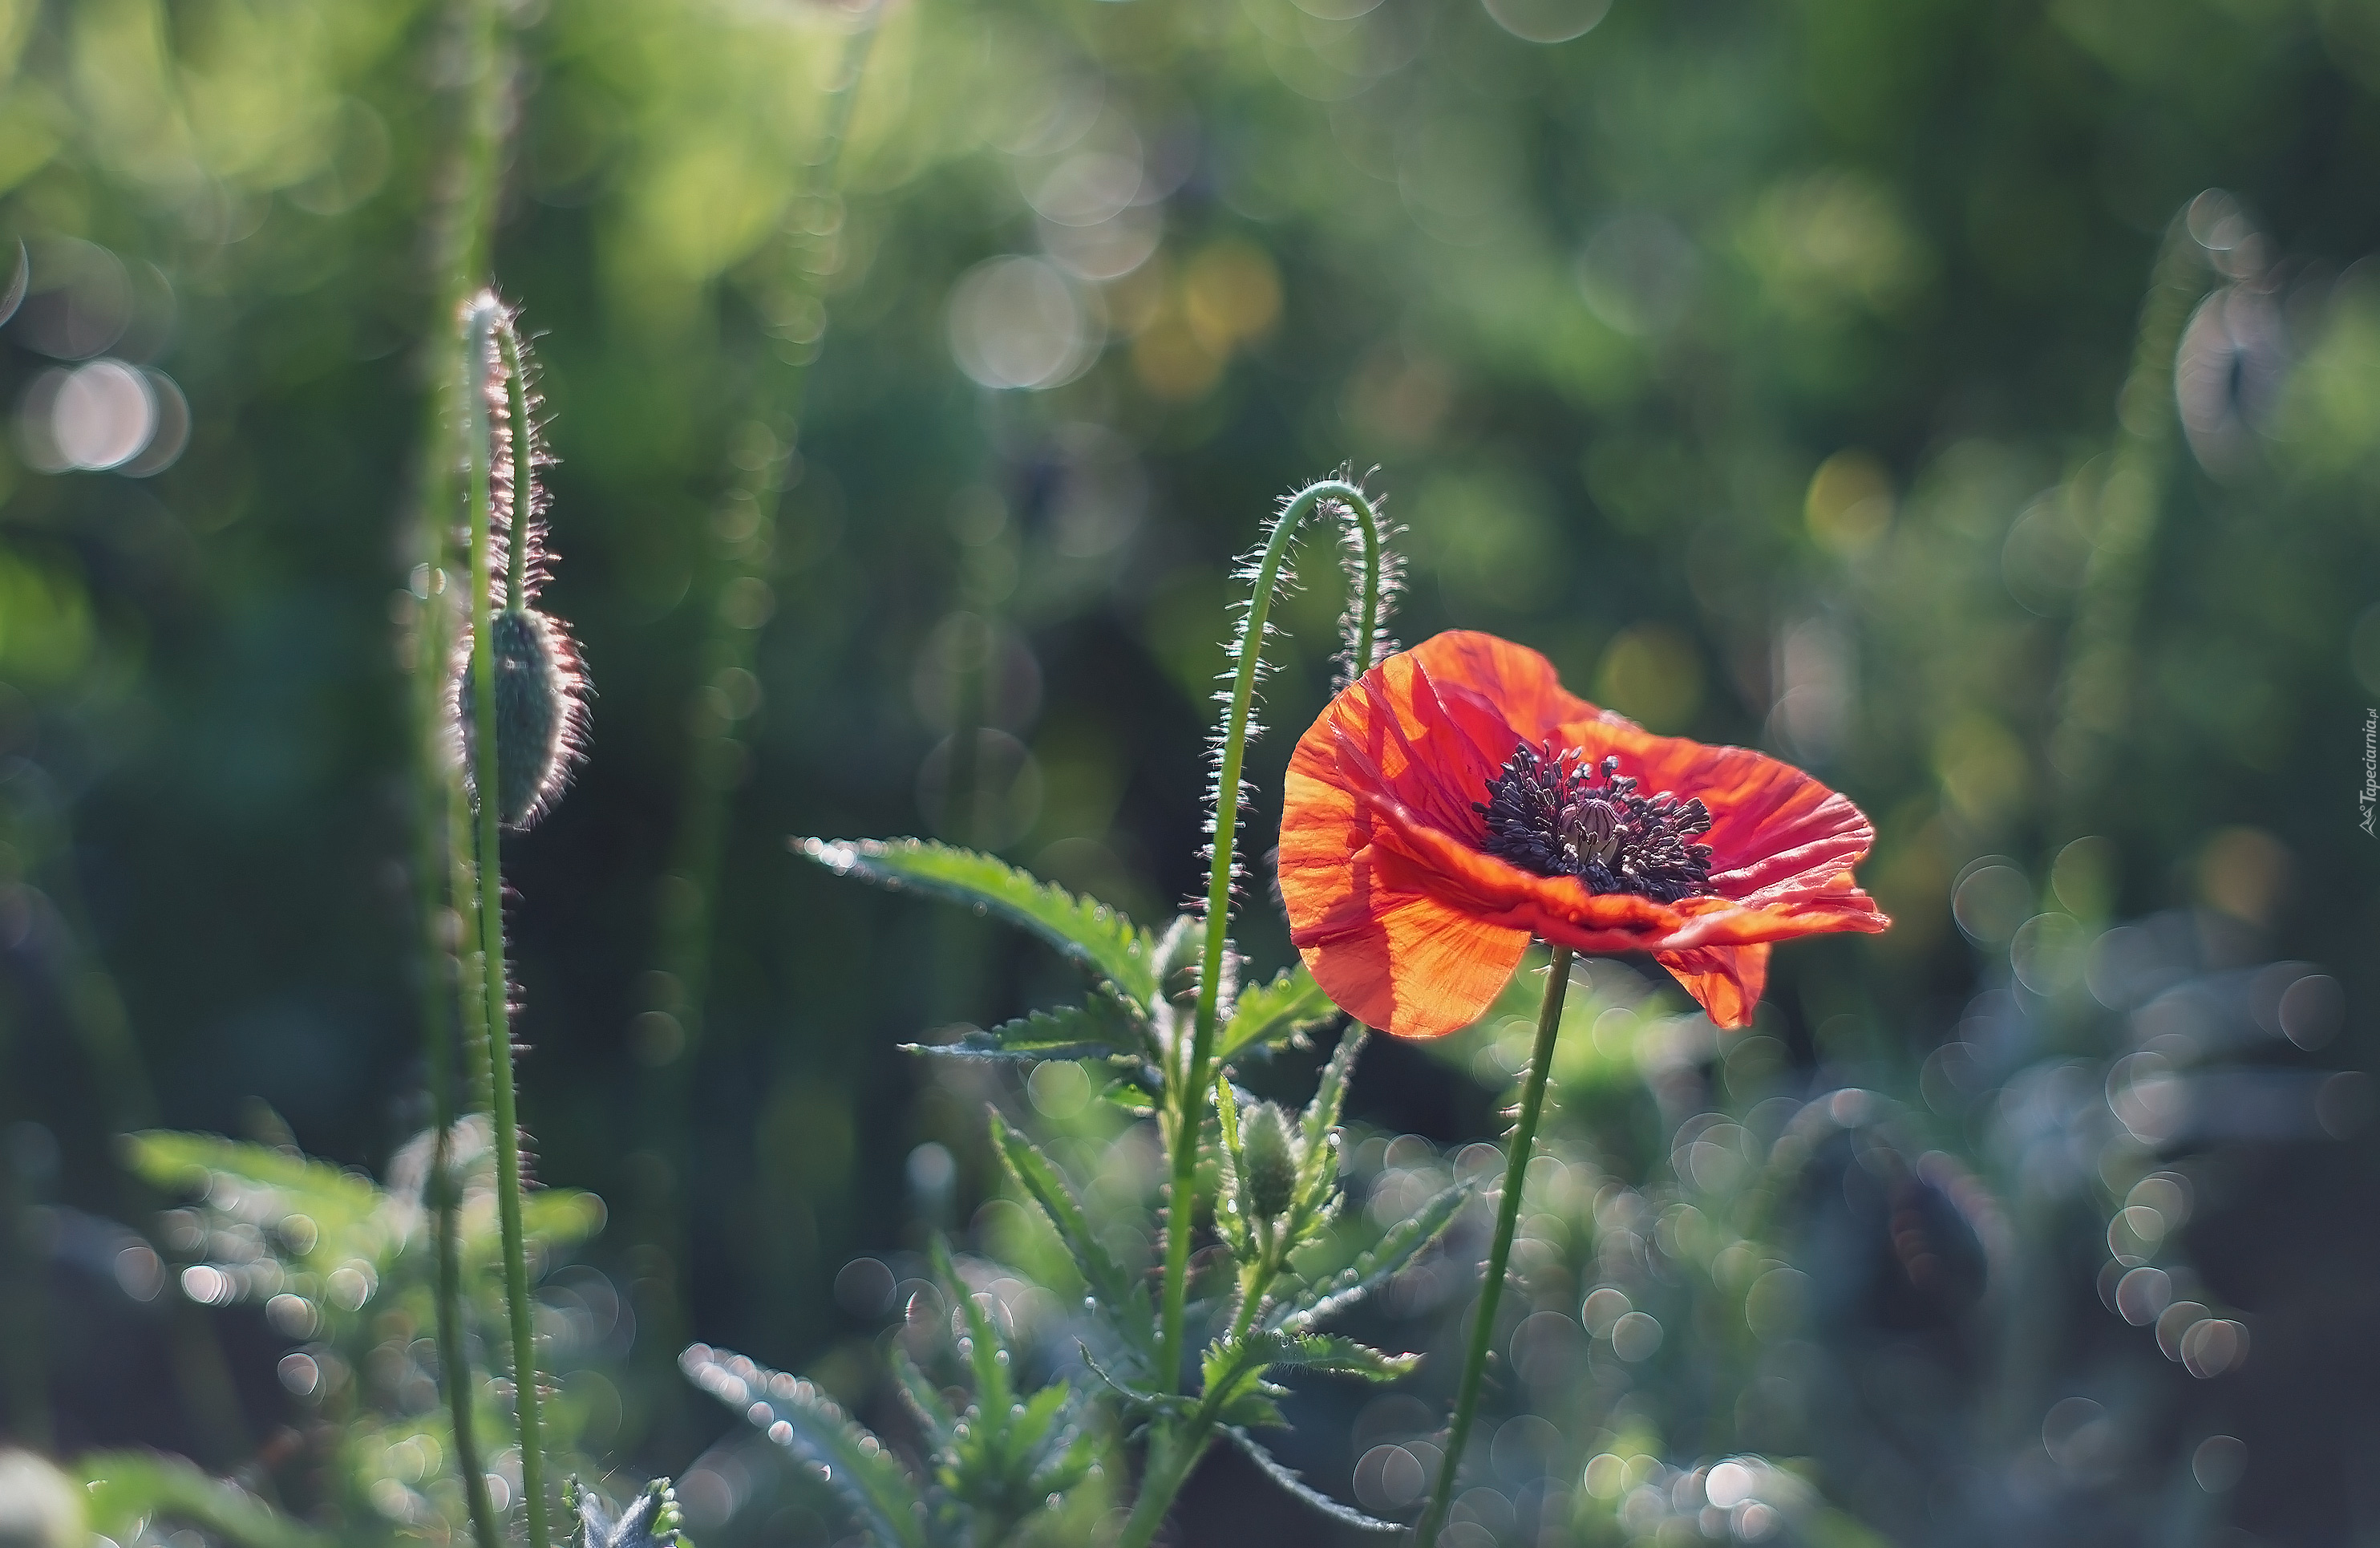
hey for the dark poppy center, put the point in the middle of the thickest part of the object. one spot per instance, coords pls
(1561, 816)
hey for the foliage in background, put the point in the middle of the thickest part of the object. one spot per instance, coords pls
(1779, 370)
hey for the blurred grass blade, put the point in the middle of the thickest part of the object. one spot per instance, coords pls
(1090, 933)
(925, 1401)
(130, 1488)
(795, 1414)
(346, 1212)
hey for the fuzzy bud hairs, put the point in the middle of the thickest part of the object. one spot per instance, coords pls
(542, 687)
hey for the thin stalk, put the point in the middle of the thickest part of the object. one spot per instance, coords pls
(493, 978)
(1500, 1248)
(1190, 1095)
(463, 236)
(454, 1360)
(2094, 691)
(683, 949)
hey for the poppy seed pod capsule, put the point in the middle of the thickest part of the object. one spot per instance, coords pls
(1269, 1181)
(541, 712)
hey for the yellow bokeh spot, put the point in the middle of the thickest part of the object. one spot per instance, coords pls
(46, 625)
(1982, 767)
(1230, 294)
(1651, 673)
(1850, 501)
(2240, 872)
(1170, 361)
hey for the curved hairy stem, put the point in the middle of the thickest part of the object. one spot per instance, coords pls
(523, 443)
(1500, 1248)
(483, 323)
(1190, 1092)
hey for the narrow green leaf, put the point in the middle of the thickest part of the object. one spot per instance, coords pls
(1271, 1468)
(1035, 1173)
(1330, 1096)
(1229, 1219)
(1230, 1367)
(1154, 1402)
(1396, 1248)
(1268, 1014)
(1092, 933)
(1327, 1351)
(793, 1413)
(925, 1400)
(1029, 1423)
(985, 1348)
(1101, 1029)
(129, 1488)
(1067, 1468)
(1252, 1408)
(347, 1210)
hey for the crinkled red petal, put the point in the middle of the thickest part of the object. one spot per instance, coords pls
(1385, 881)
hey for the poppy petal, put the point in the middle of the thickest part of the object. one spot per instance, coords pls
(1419, 968)
(1725, 980)
(1408, 923)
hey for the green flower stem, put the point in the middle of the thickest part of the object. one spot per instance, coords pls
(1190, 1088)
(463, 236)
(484, 322)
(1171, 1455)
(1500, 1250)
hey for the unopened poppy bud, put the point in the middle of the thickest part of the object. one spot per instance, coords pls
(541, 712)
(1268, 1182)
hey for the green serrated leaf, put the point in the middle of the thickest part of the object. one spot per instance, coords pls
(1396, 1248)
(1252, 1408)
(1272, 1468)
(793, 1413)
(1088, 932)
(129, 1488)
(1101, 1029)
(1234, 1366)
(1035, 1173)
(1330, 1097)
(1267, 1014)
(1237, 1230)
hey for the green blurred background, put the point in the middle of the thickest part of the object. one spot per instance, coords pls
(1975, 401)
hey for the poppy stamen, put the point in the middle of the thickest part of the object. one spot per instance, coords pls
(1552, 814)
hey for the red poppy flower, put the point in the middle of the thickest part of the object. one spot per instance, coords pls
(1456, 801)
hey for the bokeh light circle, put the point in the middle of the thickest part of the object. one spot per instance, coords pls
(1547, 21)
(1020, 322)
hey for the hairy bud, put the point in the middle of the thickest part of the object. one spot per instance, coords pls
(541, 712)
(1269, 1181)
